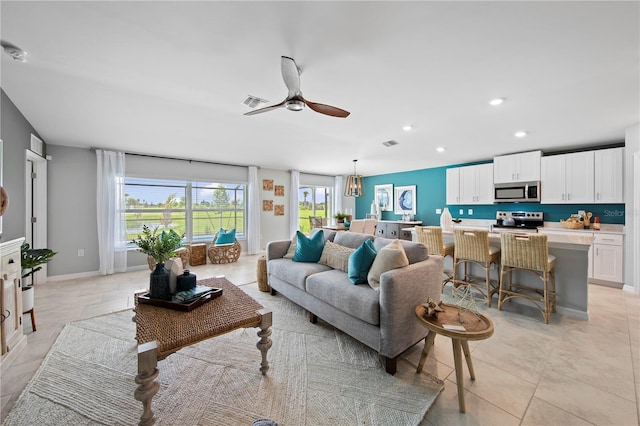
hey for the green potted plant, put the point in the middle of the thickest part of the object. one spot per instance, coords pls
(340, 217)
(30, 262)
(161, 246)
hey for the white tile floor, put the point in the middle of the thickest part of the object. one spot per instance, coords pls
(569, 372)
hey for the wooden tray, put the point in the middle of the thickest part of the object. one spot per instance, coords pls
(181, 306)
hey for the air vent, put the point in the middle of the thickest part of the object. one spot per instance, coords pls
(389, 143)
(254, 101)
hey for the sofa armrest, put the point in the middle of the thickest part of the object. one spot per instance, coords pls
(277, 249)
(401, 290)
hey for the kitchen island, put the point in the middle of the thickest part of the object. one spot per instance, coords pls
(572, 271)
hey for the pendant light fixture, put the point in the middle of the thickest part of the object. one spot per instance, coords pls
(354, 186)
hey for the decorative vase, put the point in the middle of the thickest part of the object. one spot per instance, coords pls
(159, 283)
(186, 281)
(446, 221)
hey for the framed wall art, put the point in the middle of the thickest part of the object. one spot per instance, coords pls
(279, 210)
(278, 190)
(384, 197)
(267, 205)
(405, 200)
(267, 184)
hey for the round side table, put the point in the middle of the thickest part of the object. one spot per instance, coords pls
(447, 323)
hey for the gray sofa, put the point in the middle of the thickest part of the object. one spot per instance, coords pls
(384, 320)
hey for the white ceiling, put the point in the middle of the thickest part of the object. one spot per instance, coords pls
(169, 78)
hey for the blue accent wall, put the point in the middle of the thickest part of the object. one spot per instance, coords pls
(431, 195)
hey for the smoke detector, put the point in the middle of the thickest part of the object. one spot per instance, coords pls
(14, 51)
(254, 101)
(389, 143)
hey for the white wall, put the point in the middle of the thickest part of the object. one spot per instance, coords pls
(274, 227)
(632, 222)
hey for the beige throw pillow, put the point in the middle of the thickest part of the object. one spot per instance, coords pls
(292, 248)
(336, 256)
(390, 257)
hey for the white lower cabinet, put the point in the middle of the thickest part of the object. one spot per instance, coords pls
(607, 255)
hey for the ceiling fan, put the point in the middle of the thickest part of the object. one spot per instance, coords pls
(294, 100)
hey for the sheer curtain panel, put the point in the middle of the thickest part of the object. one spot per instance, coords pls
(112, 236)
(337, 194)
(293, 202)
(253, 211)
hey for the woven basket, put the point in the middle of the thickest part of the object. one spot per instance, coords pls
(570, 224)
(263, 284)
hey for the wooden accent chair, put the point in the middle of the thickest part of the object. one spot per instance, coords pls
(530, 253)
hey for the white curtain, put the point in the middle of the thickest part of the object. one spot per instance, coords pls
(294, 202)
(339, 187)
(112, 237)
(253, 211)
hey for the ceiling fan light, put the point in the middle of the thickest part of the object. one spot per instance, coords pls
(294, 105)
(354, 185)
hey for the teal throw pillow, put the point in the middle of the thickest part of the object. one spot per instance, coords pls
(226, 237)
(360, 262)
(308, 249)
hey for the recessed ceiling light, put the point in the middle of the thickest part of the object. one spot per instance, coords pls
(496, 101)
(520, 134)
(441, 149)
(407, 128)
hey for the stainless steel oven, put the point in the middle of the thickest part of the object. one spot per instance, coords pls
(521, 192)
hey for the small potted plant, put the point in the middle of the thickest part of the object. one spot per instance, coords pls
(340, 217)
(161, 246)
(30, 262)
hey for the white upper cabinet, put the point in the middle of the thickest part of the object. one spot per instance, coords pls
(453, 186)
(567, 178)
(475, 184)
(524, 167)
(609, 175)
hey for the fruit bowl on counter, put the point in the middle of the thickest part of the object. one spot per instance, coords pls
(572, 223)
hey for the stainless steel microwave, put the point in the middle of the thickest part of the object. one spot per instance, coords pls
(521, 192)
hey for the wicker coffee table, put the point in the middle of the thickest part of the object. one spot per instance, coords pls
(161, 332)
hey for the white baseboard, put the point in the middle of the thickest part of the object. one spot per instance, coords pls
(89, 274)
(631, 289)
(72, 276)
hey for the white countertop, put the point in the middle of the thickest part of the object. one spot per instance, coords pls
(605, 228)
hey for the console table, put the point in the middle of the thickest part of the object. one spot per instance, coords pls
(161, 332)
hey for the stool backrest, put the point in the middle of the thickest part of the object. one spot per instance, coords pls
(472, 244)
(525, 251)
(431, 236)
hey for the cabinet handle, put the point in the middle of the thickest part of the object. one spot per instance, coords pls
(597, 251)
(568, 196)
(562, 197)
(597, 196)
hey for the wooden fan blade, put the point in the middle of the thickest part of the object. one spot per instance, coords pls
(290, 75)
(327, 109)
(266, 109)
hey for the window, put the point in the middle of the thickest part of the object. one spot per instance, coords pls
(196, 209)
(313, 201)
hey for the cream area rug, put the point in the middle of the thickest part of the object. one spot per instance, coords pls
(317, 376)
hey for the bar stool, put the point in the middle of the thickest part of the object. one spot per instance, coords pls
(528, 252)
(431, 236)
(472, 245)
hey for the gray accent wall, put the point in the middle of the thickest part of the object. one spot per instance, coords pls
(72, 210)
(15, 132)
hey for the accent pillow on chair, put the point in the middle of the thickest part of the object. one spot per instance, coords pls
(360, 261)
(308, 249)
(226, 237)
